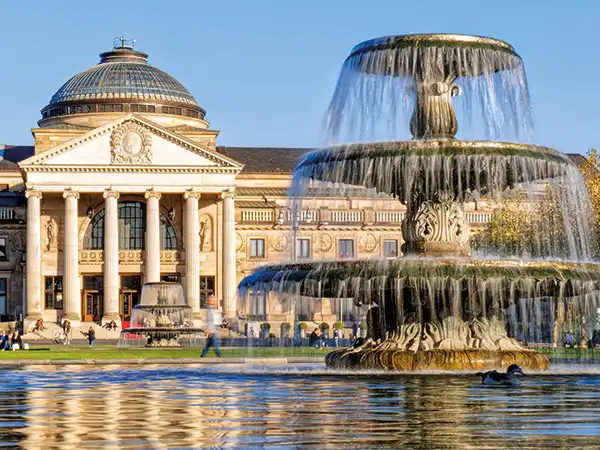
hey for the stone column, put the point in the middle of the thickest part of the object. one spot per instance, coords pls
(192, 251)
(111, 256)
(34, 256)
(72, 294)
(152, 236)
(228, 251)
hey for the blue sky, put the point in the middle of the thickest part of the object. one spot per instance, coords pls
(265, 70)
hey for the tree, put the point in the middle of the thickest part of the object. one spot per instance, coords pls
(590, 169)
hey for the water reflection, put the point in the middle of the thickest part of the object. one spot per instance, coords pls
(196, 407)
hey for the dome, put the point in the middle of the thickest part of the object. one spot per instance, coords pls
(122, 81)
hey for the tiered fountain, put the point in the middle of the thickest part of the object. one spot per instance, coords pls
(162, 319)
(439, 307)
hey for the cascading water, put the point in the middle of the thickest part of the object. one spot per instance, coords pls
(438, 306)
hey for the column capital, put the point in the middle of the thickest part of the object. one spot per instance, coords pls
(191, 194)
(33, 193)
(151, 193)
(110, 193)
(229, 193)
(70, 193)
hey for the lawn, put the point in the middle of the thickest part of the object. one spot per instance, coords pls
(111, 352)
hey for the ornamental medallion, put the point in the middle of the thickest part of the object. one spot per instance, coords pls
(131, 143)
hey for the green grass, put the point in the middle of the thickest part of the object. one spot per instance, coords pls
(570, 353)
(108, 352)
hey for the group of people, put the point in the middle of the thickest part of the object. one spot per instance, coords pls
(12, 342)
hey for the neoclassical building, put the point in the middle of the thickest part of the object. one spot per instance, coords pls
(125, 184)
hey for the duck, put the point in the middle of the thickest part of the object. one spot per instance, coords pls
(509, 378)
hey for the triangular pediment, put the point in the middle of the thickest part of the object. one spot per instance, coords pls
(130, 142)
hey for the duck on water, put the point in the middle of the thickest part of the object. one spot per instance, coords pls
(509, 378)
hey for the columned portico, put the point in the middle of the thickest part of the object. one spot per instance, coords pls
(152, 236)
(72, 299)
(229, 270)
(111, 256)
(34, 255)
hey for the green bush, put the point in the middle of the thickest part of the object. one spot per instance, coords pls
(265, 326)
(363, 325)
(324, 326)
(338, 325)
(303, 325)
(286, 326)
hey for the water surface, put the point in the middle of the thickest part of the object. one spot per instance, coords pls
(293, 406)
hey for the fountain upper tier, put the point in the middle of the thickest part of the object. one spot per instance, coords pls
(457, 60)
(385, 81)
(428, 169)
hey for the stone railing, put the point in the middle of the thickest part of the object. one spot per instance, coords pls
(7, 213)
(170, 256)
(478, 217)
(389, 216)
(128, 256)
(271, 216)
(91, 257)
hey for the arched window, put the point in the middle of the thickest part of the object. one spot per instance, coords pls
(132, 229)
(167, 232)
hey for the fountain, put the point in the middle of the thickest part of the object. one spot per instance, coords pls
(162, 319)
(440, 306)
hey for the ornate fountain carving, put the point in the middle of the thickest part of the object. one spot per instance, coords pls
(436, 228)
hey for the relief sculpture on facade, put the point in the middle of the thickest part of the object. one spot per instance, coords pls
(205, 233)
(131, 143)
(51, 234)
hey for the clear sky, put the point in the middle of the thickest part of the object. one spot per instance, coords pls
(265, 70)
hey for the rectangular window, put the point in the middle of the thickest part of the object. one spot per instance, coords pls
(257, 248)
(258, 305)
(54, 293)
(3, 252)
(303, 248)
(346, 248)
(131, 282)
(3, 296)
(390, 248)
(207, 287)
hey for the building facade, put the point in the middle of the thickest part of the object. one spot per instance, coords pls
(125, 184)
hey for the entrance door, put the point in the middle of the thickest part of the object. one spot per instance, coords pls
(129, 299)
(92, 306)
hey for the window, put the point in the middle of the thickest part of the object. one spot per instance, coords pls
(54, 293)
(346, 248)
(132, 229)
(131, 282)
(390, 248)
(207, 287)
(303, 248)
(3, 298)
(3, 252)
(257, 248)
(258, 305)
(168, 237)
(132, 225)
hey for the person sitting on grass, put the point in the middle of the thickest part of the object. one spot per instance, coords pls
(569, 340)
(4, 341)
(315, 339)
(16, 342)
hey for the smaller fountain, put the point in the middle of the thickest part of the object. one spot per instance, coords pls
(162, 319)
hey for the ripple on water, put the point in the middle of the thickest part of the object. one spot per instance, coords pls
(159, 407)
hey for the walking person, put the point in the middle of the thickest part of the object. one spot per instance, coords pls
(91, 335)
(213, 322)
(336, 337)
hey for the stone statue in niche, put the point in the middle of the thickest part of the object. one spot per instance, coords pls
(205, 233)
(51, 233)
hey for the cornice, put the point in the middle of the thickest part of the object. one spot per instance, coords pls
(130, 169)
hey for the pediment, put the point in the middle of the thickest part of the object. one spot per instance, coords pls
(130, 143)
